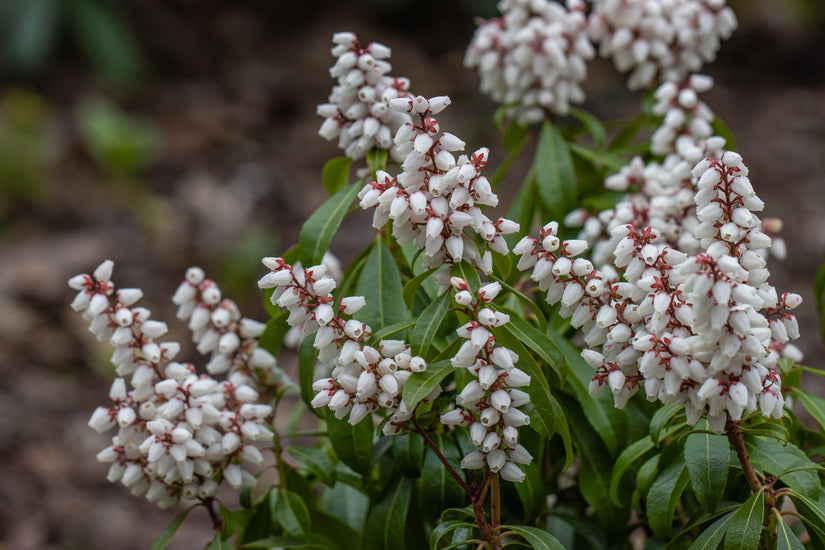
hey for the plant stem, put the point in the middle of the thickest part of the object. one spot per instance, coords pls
(735, 436)
(217, 521)
(495, 508)
(467, 489)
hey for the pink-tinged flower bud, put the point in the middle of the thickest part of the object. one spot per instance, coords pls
(322, 399)
(339, 400)
(524, 246)
(473, 461)
(758, 240)
(575, 247)
(488, 292)
(791, 300)
(352, 304)
(496, 460)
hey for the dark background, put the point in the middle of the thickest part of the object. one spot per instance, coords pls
(163, 134)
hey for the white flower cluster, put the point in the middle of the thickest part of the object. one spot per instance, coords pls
(660, 40)
(179, 434)
(488, 405)
(362, 379)
(358, 112)
(437, 196)
(533, 58)
(704, 330)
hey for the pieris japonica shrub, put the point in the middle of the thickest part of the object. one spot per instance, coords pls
(605, 366)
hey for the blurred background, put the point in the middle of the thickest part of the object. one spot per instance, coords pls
(168, 133)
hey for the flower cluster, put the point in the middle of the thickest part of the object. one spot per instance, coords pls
(361, 379)
(660, 40)
(488, 405)
(358, 112)
(179, 433)
(533, 58)
(437, 196)
(704, 330)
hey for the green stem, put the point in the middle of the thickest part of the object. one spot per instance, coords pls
(495, 509)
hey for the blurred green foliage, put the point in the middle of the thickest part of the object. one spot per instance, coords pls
(119, 143)
(27, 148)
(31, 30)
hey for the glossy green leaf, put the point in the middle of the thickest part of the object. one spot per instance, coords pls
(630, 457)
(333, 528)
(774, 458)
(811, 514)
(317, 232)
(813, 404)
(769, 428)
(785, 538)
(315, 461)
(420, 384)
(538, 539)
(380, 284)
(663, 497)
(707, 457)
(428, 324)
(408, 453)
(387, 518)
(335, 174)
(307, 358)
(683, 538)
(346, 503)
(438, 490)
(526, 301)
(542, 345)
(746, 526)
(554, 173)
(394, 330)
(712, 537)
(607, 159)
(662, 418)
(592, 123)
(377, 160)
(445, 528)
(292, 513)
(273, 335)
(352, 444)
(163, 540)
(412, 286)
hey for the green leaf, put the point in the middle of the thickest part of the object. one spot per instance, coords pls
(106, 42)
(721, 129)
(530, 304)
(292, 513)
(346, 503)
(811, 514)
(713, 535)
(785, 539)
(420, 384)
(315, 461)
(631, 456)
(387, 518)
(352, 444)
(377, 160)
(311, 541)
(769, 428)
(438, 490)
(391, 330)
(445, 528)
(661, 418)
(273, 335)
(428, 324)
(663, 496)
(317, 232)
(335, 174)
(624, 139)
(307, 358)
(604, 158)
(412, 286)
(684, 537)
(343, 536)
(592, 123)
(814, 405)
(408, 453)
(746, 526)
(538, 539)
(554, 173)
(523, 207)
(774, 458)
(167, 534)
(380, 284)
(541, 344)
(707, 457)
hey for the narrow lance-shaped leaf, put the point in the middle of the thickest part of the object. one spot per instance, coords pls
(352, 444)
(785, 538)
(317, 232)
(335, 174)
(388, 517)
(420, 384)
(711, 537)
(746, 525)
(292, 513)
(380, 284)
(163, 540)
(663, 497)
(554, 172)
(707, 457)
(631, 456)
(428, 323)
(538, 539)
